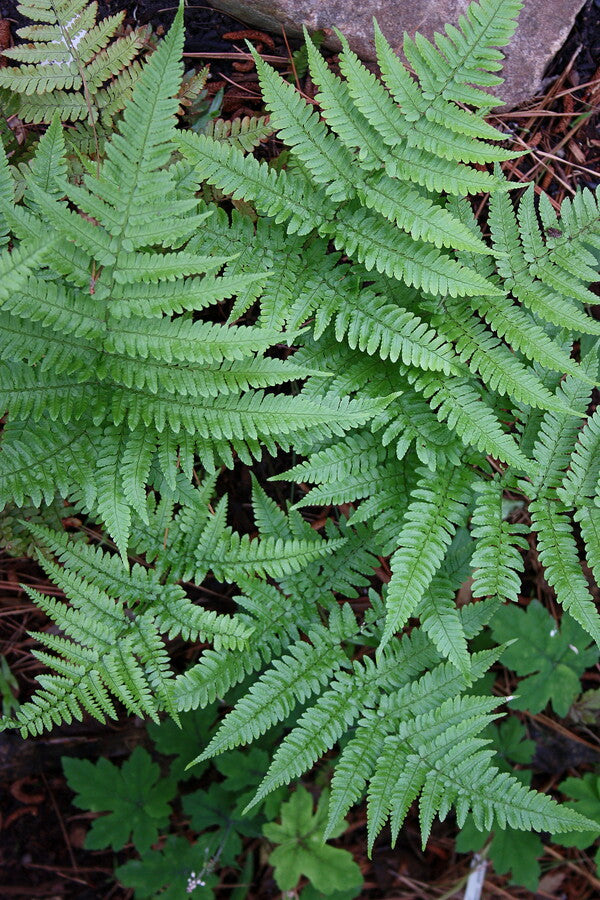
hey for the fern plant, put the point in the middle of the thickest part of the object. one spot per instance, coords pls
(465, 341)
(70, 64)
(100, 327)
(441, 368)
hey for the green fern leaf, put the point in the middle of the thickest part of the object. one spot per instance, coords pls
(379, 246)
(112, 500)
(458, 403)
(437, 508)
(498, 367)
(440, 620)
(378, 107)
(274, 194)
(558, 555)
(496, 558)
(298, 125)
(581, 478)
(135, 463)
(66, 60)
(558, 431)
(293, 679)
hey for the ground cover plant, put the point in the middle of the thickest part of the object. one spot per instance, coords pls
(429, 372)
(137, 801)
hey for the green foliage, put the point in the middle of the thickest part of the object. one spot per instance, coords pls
(353, 313)
(69, 64)
(245, 133)
(496, 559)
(8, 686)
(585, 791)
(166, 873)
(16, 538)
(554, 658)
(510, 851)
(112, 636)
(136, 799)
(182, 854)
(181, 740)
(301, 849)
(95, 339)
(516, 853)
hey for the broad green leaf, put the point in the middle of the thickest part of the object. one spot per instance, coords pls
(301, 850)
(135, 798)
(553, 656)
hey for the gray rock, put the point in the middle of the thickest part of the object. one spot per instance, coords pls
(543, 28)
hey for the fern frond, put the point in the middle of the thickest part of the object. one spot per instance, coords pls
(440, 620)
(439, 174)
(245, 133)
(416, 337)
(537, 252)
(193, 623)
(347, 568)
(7, 190)
(327, 160)
(49, 166)
(589, 523)
(457, 402)
(580, 481)
(107, 62)
(443, 770)
(105, 570)
(558, 554)
(418, 215)
(182, 340)
(290, 200)
(380, 110)
(514, 264)
(102, 641)
(269, 556)
(427, 100)
(374, 326)
(117, 641)
(437, 509)
(342, 116)
(378, 245)
(317, 731)
(558, 431)
(471, 57)
(292, 680)
(213, 676)
(352, 773)
(355, 765)
(498, 367)
(17, 265)
(66, 61)
(496, 558)
(579, 227)
(112, 500)
(37, 462)
(31, 393)
(520, 329)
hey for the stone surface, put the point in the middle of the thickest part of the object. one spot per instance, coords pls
(543, 28)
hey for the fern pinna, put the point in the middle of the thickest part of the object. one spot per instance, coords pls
(441, 369)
